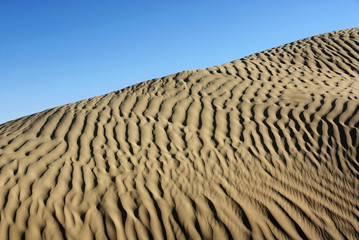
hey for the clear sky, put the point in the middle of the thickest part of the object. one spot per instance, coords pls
(57, 52)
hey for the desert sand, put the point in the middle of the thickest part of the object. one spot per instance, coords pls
(264, 147)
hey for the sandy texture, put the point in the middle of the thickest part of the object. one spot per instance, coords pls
(264, 147)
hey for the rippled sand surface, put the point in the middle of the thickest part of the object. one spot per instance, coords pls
(264, 147)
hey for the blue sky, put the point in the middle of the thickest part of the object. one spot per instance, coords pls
(57, 52)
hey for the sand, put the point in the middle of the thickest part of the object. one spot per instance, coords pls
(264, 147)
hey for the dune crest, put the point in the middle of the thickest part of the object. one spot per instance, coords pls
(264, 147)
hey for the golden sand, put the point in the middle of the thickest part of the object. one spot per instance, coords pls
(264, 147)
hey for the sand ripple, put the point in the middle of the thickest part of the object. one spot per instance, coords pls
(264, 147)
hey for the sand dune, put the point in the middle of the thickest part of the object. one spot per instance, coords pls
(264, 147)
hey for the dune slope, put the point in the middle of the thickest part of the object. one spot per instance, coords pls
(264, 147)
